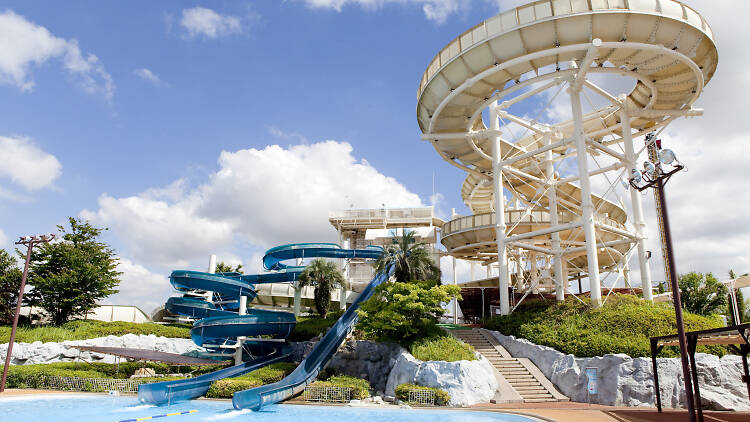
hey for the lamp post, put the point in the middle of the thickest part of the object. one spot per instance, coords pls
(653, 175)
(29, 241)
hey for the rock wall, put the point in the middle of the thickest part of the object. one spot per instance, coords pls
(38, 352)
(626, 381)
(467, 382)
(363, 359)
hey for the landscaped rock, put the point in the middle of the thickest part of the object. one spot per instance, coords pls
(358, 358)
(467, 382)
(51, 352)
(626, 381)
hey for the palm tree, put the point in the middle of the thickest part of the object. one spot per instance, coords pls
(222, 267)
(324, 276)
(413, 259)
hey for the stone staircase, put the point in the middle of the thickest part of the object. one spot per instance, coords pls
(522, 375)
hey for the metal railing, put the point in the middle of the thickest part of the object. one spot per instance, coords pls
(327, 394)
(421, 397)
(52, 382)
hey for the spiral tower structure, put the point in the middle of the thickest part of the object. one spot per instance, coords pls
(545, 194)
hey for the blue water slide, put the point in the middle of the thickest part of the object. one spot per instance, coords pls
(309, 368)
(219, 325)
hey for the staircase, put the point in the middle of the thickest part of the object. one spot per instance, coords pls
(521, 374)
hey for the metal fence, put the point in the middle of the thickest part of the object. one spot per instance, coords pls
(50, 382)
(327, 394)
(422, 397)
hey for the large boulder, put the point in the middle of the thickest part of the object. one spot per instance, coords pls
(626, 381)
(51, 352)
(467, 382)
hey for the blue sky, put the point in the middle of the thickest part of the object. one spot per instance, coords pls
(133, 137)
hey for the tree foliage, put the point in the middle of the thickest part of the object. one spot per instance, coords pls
(413, 259)
(702, 294)
(70, 275)
(402, 312)
(10, 283)
(324, 276)
(223, 267)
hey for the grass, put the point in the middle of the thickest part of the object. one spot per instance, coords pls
(622, 325)
(436, 344)
(82, 330)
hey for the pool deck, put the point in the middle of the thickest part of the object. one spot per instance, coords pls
(552, 411)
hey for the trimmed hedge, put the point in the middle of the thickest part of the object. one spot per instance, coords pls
(360, 387)
(82, 330)
(441, 396)
(623, 324)
(224, 389)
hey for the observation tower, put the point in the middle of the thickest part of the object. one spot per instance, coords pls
(545, 185)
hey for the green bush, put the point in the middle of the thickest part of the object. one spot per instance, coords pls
(86, 329)
(443, 347)
(623, 324)
(404, 312)
(312, 326)
(275, 372)
(441, 396)
(360, 387)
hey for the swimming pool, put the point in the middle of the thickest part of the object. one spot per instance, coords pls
(89, 408)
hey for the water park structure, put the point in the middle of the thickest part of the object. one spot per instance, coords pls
(534, 209)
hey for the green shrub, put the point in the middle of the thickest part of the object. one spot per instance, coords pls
(224, 389)
(441, 396)
(269, 374)
(360, 387)
(403, 312)
(312, 326)
(623, 324)
(441, 347)
(82, 330)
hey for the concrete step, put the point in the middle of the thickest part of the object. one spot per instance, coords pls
(525, 400)
(536, 396)
(530, 389)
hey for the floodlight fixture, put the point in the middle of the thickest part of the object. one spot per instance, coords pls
(635, 176)
(667, 156)
(649, 169)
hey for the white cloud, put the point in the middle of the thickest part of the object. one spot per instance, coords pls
(258, 198)
(149, 76)
(434, 10)
(25, 44)
(140, 287)
(3, 239)
(27, 165)
(200, 21)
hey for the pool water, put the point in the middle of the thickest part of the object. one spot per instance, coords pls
(85, 408)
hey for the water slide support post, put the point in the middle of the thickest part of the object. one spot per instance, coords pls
(497, 172)
(635, 202)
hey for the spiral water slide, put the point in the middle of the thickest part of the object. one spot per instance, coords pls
(221, 323)
(310, 367)
(664, 46)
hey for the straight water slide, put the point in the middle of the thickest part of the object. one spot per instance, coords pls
(310, 367)
(220, 324)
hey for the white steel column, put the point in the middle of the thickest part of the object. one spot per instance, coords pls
(502, 258)
(587, 206)
(635, 202)
(342, 264)
(240, 340)
(549, 172)
(297, 293)
(455, 302)
(211, 270)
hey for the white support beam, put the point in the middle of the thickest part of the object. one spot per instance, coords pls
(611, 167)
(583, 68)
(530, 93)
(587, 206)
(549, 172)
(523, 245)
(502, 258)
(615, 230)
(542, 150)
(549, 230)
(572, 251)
(690, 112)
(635, 202)
(599, 90)
(525, 175)
(522, 122)
(606, 150)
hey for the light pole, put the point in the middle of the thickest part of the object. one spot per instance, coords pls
(654, 176)
(29, 241)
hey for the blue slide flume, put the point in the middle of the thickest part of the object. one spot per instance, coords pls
(219, 324)
(306, 372)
